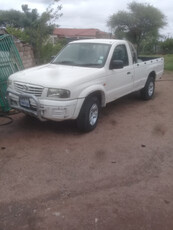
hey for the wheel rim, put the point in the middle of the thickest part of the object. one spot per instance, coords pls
(151, 89)
(93, 114)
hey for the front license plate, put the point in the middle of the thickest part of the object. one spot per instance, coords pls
(24, 102)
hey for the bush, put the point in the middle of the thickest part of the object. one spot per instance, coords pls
(48, 50)
(18, 33)
(167, 46)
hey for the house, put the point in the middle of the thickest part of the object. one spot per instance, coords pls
(74, 34)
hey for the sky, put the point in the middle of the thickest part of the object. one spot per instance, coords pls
(92, 13)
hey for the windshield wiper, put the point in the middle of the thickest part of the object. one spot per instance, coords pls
(66, 62)
(75, 64)
(91, 65)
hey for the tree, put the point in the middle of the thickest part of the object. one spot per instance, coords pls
(48, 50)
(18, 33)
(167, 46)
(150, 44)
(140, 22)
(12, 18)
(30, 26)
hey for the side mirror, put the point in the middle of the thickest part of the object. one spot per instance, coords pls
(116, 64)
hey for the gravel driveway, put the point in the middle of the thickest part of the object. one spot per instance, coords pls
(118, 177)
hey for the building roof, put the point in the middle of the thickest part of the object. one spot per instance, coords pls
(66, 32)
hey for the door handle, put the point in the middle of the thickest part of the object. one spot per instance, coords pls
(128, 73)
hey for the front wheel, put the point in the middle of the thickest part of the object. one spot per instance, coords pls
(148, 91)
(89, 114)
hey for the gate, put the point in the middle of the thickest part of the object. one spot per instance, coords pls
(10, 62)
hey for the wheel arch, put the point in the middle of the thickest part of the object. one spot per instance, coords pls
(146, 91)
(96, 90)
(100, 95)
(152, 74)
(89, 112)
(89, 92)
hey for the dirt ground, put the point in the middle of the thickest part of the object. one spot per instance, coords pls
(118, 177)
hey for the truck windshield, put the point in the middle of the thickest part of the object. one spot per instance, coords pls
(83, 54)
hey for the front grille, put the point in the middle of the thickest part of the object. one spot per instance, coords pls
(29, 89)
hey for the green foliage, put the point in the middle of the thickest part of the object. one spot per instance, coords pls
(137, 24)
(39, 27)
(167, 46)
(11, 18)
(168, 62)
(149, 45)
(18, 33)
(48, 50)
(30, 26)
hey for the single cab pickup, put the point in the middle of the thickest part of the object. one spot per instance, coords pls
(82, 78)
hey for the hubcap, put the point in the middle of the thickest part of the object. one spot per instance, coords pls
(93, 114)
(150, 89)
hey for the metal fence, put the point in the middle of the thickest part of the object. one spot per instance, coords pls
(10, 62)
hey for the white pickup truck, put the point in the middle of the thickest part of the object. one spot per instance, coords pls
(82, 78)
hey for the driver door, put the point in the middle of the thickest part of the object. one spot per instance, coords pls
(120, 81)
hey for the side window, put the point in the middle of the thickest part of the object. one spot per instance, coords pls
(120, 53)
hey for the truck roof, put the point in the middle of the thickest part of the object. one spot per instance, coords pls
(101, 41)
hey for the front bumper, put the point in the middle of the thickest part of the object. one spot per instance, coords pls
(44, 109)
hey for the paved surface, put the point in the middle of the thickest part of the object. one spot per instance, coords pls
(118, 177)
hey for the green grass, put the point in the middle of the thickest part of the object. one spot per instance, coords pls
(168, 62)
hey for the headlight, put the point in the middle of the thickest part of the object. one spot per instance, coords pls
(58, 93)
(9, 83)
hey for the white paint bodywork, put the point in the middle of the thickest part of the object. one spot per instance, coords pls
(82, 81)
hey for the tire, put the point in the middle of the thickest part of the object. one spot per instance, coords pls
(89, 114)
(148, 91)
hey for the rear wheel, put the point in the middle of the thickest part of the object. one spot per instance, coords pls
(89, 114)
(148, 91)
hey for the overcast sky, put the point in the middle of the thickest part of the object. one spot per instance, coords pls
(92, 13)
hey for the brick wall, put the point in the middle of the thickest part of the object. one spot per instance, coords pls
(26, 54)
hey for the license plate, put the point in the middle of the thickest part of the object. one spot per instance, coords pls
(24, 102)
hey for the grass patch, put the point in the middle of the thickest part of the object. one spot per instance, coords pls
(168, 62)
